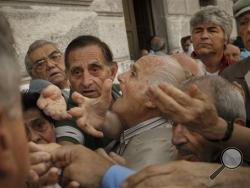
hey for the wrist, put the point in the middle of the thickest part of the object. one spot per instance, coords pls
(225, 131)
(217, 131)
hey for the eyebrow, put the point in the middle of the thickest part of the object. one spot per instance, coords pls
(53, 52)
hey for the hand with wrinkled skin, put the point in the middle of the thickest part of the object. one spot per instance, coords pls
(91, 112)
(180, 174)
(112, 157)
(184, 174)
(81, 165)
(42, 172)
(193, 109)
(53, 103)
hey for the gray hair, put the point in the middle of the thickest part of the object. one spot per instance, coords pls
(32, 47)
(213, 14)
(227, 98)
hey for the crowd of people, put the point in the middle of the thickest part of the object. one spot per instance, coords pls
(167, 124)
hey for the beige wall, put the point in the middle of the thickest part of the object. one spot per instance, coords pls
(62, 20)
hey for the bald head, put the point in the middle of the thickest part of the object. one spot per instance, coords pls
(232, 52)
(159, 69)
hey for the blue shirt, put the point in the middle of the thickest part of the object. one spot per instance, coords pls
(115, 176)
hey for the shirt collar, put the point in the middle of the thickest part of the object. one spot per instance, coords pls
(143, 126)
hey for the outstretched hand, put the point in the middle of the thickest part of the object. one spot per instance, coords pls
(91, 112)
(193, 108)
(53, 103)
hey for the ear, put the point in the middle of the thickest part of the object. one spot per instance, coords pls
(240, 122)
(114, 69)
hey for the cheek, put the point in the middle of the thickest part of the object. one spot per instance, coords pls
(49, 136)
(61, 66)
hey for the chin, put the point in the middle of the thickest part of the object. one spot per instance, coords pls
(191, 158)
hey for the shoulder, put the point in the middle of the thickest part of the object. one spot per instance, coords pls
(237, 69)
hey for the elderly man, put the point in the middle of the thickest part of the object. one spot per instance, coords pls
(45, 61)
(13, 144)
(39, 127)
(191, 145)
(210, 31)
(91, 69)
(147, 136)
(240, 71)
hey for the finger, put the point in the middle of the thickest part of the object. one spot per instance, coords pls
(92, 131)
(73, 184)
(39, 157)
(178, 95)
(33, 147)
(33, 176)
(76, 112)
(51, 91)
(106, 91)
(165, 103)
(51, 177)
(196, 93)
(77, 98)
(61, 157)
(103, 153)
(118, 159)
(41, 168)
(48, 147)
(145, 174)
(42, 102)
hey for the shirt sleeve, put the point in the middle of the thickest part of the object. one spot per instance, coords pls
(115, 176)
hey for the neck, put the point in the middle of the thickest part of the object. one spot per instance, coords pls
(211, 62)
(134, 119)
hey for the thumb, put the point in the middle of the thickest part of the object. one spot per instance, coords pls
(78, 98)
(51, 91)
(195, 92)
(106, 91)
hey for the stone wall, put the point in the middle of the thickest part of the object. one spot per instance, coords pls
(62, 20)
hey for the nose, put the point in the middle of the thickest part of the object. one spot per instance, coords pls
(87, 79)
(248, 27)
(50, 63)
(121, 77)
(178, 136)
(204, 35)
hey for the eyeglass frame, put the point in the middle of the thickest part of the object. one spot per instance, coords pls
(44, 61)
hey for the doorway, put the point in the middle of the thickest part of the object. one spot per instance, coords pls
(139, 25)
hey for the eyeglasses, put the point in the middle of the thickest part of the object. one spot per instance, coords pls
(40, 65)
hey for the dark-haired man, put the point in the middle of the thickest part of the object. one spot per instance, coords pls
(90, 68)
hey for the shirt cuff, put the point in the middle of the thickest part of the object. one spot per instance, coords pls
(115, 176)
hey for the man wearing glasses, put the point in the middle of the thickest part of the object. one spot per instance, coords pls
(45, 61)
